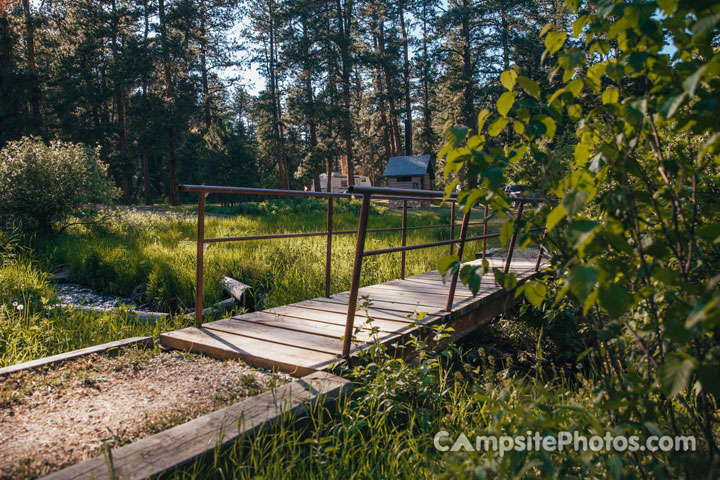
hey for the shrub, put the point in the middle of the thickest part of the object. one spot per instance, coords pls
(42, 185)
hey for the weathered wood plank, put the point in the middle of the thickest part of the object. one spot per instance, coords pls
(266, 354)
(180, 445)
(105, 347)
(340, 307)
(404, 309)
(281, 336)
(423, 289)
(334, 329)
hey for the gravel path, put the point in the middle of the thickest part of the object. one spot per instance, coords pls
(58, 416)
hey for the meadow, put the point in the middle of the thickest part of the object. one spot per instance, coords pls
(158, 250)
(155, 250)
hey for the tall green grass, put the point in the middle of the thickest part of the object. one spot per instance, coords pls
(158, 250)
(386, 429)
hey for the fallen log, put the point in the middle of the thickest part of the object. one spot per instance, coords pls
(152, 317)
(239, 291)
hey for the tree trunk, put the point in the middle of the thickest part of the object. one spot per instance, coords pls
(203, 67)
(145, 157)
(427, 120)
(121, 110)
(169, 94)
(344, 13)
(406, 80)
(32, 68)
(310, 99)
(396, 145)
(276, 104)
(468, 108)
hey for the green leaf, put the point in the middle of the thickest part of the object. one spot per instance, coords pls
(668, 6)
(582, 281)
(482, 118)
(690, 83)
(582, 153)
(530, 86)
(506, 231)
(554, 41)
(497, 126)
(580, 233)
(456, 135)
(505, 280)
(535, 292)
(470, 277)
(675, 373)
(615, 300)
(549, 125)
(508, 79)
(448, 265)
(555, 215)
(704, 24)
(610, 95)
(505, 103)
(574, 201)
(669, 105)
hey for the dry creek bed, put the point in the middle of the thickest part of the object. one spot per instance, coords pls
(59, 415)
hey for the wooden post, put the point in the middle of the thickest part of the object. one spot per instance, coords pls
(513, 238)
(453, 283)
(452, 227)
(404, 240)
(485, 215)
(200, 255)
(357, 270)
(328, 253)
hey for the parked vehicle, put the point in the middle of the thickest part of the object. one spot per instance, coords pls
(340, 182)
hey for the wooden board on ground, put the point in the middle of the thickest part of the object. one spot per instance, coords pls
(103, 348)
(179, 445)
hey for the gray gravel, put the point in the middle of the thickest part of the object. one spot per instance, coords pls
(75, 294)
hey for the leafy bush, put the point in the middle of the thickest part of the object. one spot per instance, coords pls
(43, 185)
(632, 220)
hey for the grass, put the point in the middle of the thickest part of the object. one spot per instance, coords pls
(158, 250)
(386, 429)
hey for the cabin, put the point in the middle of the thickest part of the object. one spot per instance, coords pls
(412, 172)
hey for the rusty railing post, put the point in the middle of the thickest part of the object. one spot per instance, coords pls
(453, 282)
(404, 240)
(200, 255)
(328, 253)
(542, 242)
(485, 214)
(513, 238)
(357, 270)
(452, 227)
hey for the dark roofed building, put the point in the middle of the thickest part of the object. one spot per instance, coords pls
(410, 172)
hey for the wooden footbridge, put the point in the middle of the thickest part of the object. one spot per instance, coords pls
(316, 334)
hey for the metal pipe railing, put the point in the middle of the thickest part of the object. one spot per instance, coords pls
(360, 253)
(368, 194)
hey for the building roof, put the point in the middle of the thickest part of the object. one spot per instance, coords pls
(407, 166)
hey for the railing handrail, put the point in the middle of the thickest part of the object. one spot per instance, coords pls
(367, 194)
(273, 192)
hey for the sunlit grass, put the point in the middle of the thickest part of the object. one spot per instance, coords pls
(159, 251)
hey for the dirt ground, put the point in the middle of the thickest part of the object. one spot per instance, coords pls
(60, 415)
